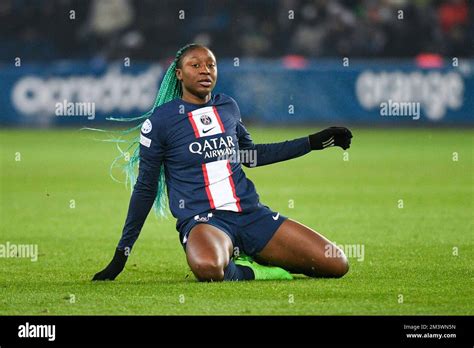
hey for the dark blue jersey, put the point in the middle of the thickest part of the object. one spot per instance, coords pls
(202, 148)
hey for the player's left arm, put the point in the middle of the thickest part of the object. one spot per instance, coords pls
(283, 151)
(277, 152)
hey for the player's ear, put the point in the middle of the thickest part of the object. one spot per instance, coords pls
(179, 74)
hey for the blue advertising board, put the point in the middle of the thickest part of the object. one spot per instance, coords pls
(268, 92)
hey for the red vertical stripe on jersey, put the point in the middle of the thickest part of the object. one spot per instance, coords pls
(237, 199)
(191, 119)
(218, 119)
(206, 182)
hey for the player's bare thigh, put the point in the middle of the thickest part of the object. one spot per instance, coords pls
(208, 251)
(300, 249)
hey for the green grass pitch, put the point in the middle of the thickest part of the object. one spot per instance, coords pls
(56, 193)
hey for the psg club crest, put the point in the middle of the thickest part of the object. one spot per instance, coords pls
(206, 120)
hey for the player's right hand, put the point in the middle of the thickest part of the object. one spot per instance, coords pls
(115, 266)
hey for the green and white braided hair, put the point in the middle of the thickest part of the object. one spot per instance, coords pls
(170, 89)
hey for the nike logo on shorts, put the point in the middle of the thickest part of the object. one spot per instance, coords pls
(276, 216)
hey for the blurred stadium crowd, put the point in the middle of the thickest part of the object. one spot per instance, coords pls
(152, 29)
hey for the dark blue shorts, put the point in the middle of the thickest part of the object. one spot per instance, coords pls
(249, 232)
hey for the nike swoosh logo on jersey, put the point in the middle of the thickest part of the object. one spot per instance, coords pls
(208, 130)
(276, 216)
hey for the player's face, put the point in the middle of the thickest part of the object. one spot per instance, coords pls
(198, 72)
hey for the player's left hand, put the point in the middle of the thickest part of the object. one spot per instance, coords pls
(332, 136)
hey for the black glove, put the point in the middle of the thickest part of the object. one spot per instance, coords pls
(332, 136)
(115, 266)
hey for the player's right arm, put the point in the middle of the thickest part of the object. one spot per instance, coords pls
(141, 202)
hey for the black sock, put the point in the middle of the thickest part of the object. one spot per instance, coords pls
(235, 272)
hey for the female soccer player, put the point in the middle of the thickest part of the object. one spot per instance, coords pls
(188, 145)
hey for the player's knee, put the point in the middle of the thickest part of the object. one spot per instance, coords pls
(340, 266)
(208, 270)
